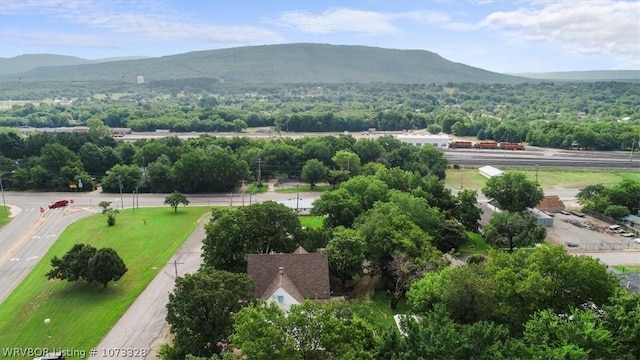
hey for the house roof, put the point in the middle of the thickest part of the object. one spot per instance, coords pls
(307, 272)
(282, 281)
(551, 201)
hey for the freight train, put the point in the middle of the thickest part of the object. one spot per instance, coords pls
(461, 144)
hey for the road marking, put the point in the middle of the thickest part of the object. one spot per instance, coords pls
(20, 241)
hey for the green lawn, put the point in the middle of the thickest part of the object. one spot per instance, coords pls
(378, 310)
(254, 189)
(311, 221)
(627, 268)
(547, 177)
(476, 245)
(81, 314)
(304, 188)
(4, 216)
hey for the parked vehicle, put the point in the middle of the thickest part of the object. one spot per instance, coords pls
(59, 203)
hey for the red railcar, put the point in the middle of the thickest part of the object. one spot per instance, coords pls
(460, 145)
(486, 145)
(511, 146)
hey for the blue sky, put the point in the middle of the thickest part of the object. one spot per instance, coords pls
(505, 36)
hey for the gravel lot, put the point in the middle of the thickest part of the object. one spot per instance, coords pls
(588, 233)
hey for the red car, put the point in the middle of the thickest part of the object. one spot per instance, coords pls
(59, 203)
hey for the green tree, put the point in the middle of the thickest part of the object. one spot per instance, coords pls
(175, 199)
(435, 336)
(314, 171)
(513, 192)
(514, 230)
(74, 264)
(345, 251)
(347, 160)
(578, 334)
(255, 229)
(617, 212)
(109, 211)
(622, 318)
(466, 210)
(260, 331)
(105, 266)
(200, 310)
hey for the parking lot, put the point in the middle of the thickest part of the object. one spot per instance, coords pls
(587, 234)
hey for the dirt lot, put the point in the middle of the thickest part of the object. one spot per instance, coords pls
(588, 233)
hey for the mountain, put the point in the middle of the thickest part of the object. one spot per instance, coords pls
(286, 63)
(24, 63)
(595, 75)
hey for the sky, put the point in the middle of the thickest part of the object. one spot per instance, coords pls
(507, 36)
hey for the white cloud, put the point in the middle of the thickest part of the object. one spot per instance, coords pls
(139, 21)
(55, 39)
(577, 27)
(338, 20)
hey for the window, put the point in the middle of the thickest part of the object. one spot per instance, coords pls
(280, 299)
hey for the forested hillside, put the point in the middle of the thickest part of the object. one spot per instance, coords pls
(279, 64)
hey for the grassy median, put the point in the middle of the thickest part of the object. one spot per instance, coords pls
(81, 314)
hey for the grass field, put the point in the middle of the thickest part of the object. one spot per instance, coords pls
(4, 215)
(378, 310)
(547, 177)
(81, 314)
(254, 189)
(476, 245)
(311, 221)
(627, 268)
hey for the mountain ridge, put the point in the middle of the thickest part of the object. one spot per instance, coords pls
(282, 63)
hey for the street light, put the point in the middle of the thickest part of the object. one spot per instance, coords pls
(47, 322)
(4, 203)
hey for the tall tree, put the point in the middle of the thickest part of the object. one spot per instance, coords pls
(175, 199)
(200, 310)
(514, 230)
(345, 252)
(255, 229)
(513, 192)
(105, 266)
(314, 171)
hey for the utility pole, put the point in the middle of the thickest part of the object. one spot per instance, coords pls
(259, 170)
(121, 200)
(298, 198)
(242, 192)
(175, 266)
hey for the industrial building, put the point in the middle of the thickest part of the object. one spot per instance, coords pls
(437, 141)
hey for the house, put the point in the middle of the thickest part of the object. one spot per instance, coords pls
(490, 171)
(288, 279)
(552, 204)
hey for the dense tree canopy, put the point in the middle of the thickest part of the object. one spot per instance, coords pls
(255, 229)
